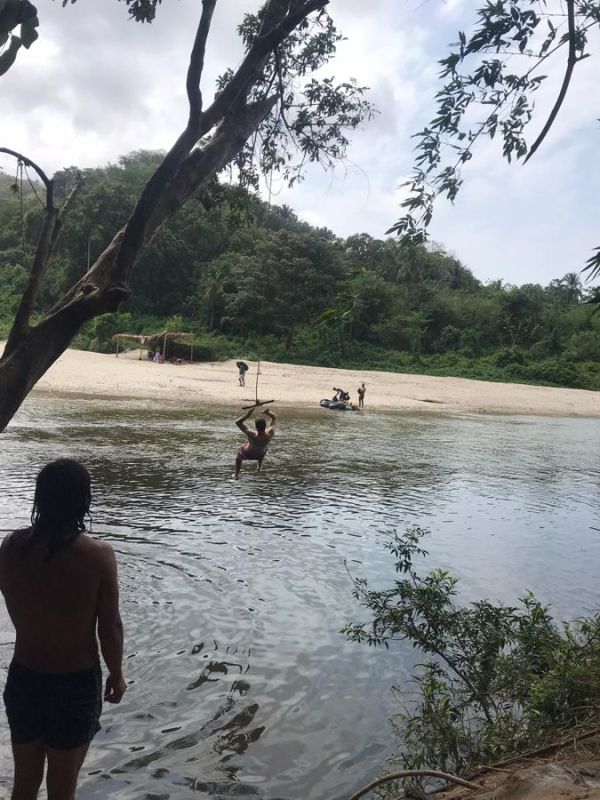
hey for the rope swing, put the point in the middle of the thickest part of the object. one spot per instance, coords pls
(258, 402)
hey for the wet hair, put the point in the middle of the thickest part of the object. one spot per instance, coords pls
(60, 504)
(261, 424)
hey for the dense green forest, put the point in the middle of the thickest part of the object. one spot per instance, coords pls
(251, 280)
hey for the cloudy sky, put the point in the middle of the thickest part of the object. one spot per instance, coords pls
(95, 86)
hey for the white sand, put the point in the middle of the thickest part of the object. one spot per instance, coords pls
(79, 372)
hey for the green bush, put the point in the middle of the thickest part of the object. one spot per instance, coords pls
(508, 356)
(496, 679)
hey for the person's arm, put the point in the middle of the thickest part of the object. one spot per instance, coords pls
(240, 421)
(273, 419)
(110, 628)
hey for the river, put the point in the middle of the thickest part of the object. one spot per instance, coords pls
(233, 594)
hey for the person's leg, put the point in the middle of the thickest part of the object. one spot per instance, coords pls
(29, 770)
(238, 466)
(258, 464)
(63, 771)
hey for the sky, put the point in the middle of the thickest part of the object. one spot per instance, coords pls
(96, 86)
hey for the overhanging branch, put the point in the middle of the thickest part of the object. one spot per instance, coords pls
(48, 183)
(571, 61)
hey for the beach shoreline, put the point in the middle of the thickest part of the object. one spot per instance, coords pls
(79, 372)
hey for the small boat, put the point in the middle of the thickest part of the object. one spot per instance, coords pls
(337, 405)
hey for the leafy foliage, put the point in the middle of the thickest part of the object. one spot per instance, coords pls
(313, 115)
(496, 680)
(490, 78)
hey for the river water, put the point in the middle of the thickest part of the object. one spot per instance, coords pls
(233, 594)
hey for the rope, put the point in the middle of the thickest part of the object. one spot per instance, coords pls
(41, 202)
(20, 171)
(256, 387)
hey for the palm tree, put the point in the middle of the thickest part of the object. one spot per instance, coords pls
(572, 287)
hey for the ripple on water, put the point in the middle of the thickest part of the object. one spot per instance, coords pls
(234, 593)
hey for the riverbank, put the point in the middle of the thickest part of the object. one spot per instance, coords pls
(571, 772)
(128, 376)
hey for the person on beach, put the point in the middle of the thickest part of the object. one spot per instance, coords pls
(340, 395)
(255, 449)
(362, 390)
(59, 585)
(242, 370)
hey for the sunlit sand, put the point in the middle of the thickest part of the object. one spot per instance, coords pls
(80, 372)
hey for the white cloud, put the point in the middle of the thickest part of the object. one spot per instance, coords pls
(95, 86)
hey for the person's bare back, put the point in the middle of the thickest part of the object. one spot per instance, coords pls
(59, 585)
(55, 603)
(255, 448)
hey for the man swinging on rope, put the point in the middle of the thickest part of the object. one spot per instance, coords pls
(255, 449)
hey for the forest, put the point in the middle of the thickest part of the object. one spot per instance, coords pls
(251, 280)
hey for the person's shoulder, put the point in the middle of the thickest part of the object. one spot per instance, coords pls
(13, 538)
(95, 548)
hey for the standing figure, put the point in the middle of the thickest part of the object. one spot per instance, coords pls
(59, 586)
(242, 370)
(362, 390)
(255, 449)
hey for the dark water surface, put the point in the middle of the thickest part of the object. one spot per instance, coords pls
(233, 594)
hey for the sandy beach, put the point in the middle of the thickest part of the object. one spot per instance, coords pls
(128, 377)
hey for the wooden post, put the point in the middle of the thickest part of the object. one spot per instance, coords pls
(118, 342)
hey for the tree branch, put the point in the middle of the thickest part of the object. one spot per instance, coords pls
(413, 773)
(196, 65)
(136, 226)
(48, 183)
(231, 98)
(261, 48)
(571, 61)
(53, 222)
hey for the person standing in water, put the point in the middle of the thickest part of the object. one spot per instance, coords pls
(59, 584)
(362, 390)
(255, 449)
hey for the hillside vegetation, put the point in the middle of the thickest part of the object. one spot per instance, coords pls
(249, 278)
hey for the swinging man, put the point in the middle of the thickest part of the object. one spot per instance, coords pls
(255, 449)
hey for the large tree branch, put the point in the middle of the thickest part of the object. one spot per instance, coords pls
(135, 228)
(110, 272)
(261, 48)
(571, 61)
(230, 99)
(196, 65)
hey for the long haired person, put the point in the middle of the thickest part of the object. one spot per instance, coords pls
(60, 586)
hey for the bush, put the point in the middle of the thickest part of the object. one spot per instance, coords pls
(509, 355)
(584, 346)
(497, 680)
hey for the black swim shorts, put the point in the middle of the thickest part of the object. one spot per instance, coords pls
(61, 710)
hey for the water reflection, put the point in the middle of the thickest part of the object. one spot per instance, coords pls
(234, 593)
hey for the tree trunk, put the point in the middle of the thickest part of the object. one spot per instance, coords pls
(33, 350)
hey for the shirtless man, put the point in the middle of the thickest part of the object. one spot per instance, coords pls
(58, 584)
(362, 390)
(255, 449)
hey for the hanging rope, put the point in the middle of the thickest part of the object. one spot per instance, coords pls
(20, 180)
(40, 201)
